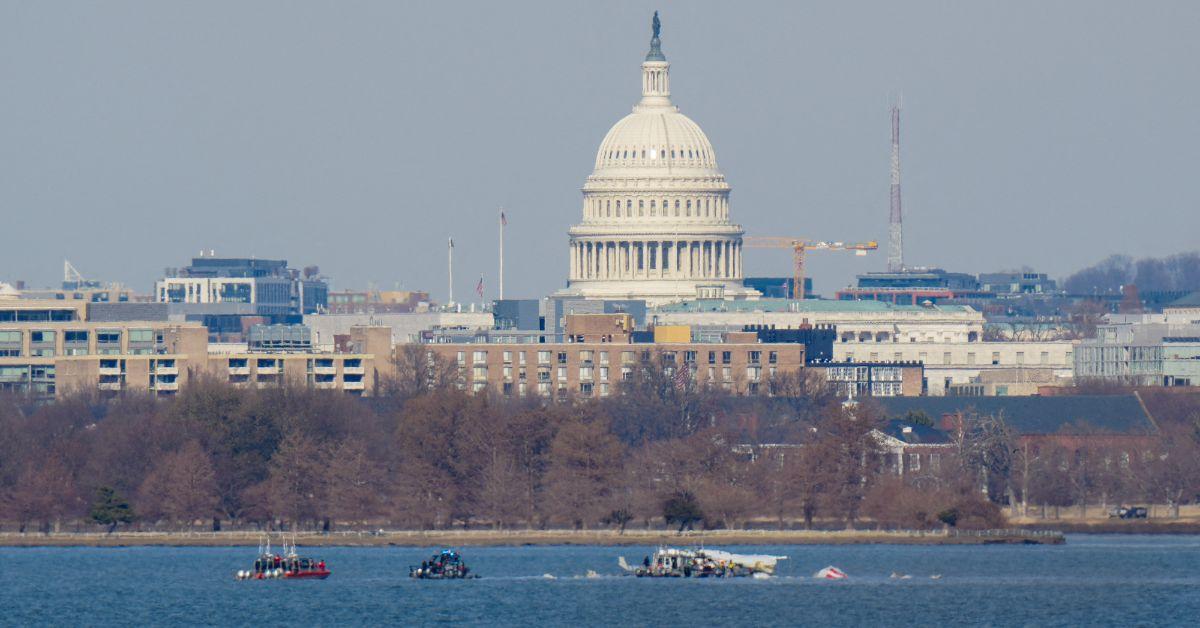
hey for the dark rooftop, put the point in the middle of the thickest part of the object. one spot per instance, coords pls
(1067, 414)
(918, 434)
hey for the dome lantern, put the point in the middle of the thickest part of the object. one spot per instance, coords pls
(656, 73)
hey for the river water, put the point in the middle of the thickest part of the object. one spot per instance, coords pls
(1089, 581)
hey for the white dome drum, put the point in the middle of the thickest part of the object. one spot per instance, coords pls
(656, 208)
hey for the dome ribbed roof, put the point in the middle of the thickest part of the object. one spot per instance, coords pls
(660, 140)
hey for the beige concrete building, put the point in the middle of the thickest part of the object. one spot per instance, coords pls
(50, 348)
(950, 363)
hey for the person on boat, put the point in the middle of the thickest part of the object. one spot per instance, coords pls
(646, 562)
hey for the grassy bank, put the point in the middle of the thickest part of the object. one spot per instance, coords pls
(468, 538)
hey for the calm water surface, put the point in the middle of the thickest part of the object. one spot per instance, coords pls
(1092, 580)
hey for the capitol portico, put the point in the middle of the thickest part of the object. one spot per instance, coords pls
(656, 208)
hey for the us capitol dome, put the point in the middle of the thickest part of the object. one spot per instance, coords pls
(656, 208)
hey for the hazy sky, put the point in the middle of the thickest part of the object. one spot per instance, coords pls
(359, 135)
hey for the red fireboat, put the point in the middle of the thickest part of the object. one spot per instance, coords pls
(290, 565)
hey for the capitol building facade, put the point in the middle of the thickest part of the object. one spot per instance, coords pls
(656, 208)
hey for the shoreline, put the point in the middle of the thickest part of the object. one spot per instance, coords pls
(492, 538)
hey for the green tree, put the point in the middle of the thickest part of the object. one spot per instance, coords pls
(110, 509)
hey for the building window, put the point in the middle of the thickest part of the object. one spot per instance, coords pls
(754, 357)
(914, 462)
(562, 373)
(543, 357)
(995, 358)
(479, 357)
(726, 357)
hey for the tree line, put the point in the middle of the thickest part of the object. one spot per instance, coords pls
(1180, 272)
(426, 455)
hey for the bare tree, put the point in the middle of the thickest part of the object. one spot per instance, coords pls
(419, 370)
(585, 460)
(181, 487)
(296, 481)
(45, 493)
(354, 483)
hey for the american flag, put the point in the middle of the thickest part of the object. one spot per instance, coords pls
(681, 377)
(479, 287)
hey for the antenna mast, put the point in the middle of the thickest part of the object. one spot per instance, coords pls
(896, 220)
(70, 275)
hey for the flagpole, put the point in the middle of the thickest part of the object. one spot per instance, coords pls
(502, 223)
(450, 264)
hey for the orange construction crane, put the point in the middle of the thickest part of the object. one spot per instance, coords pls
(799, 248)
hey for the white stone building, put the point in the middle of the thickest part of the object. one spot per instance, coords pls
(947, 339)
(656, 208)
(1144, 349)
